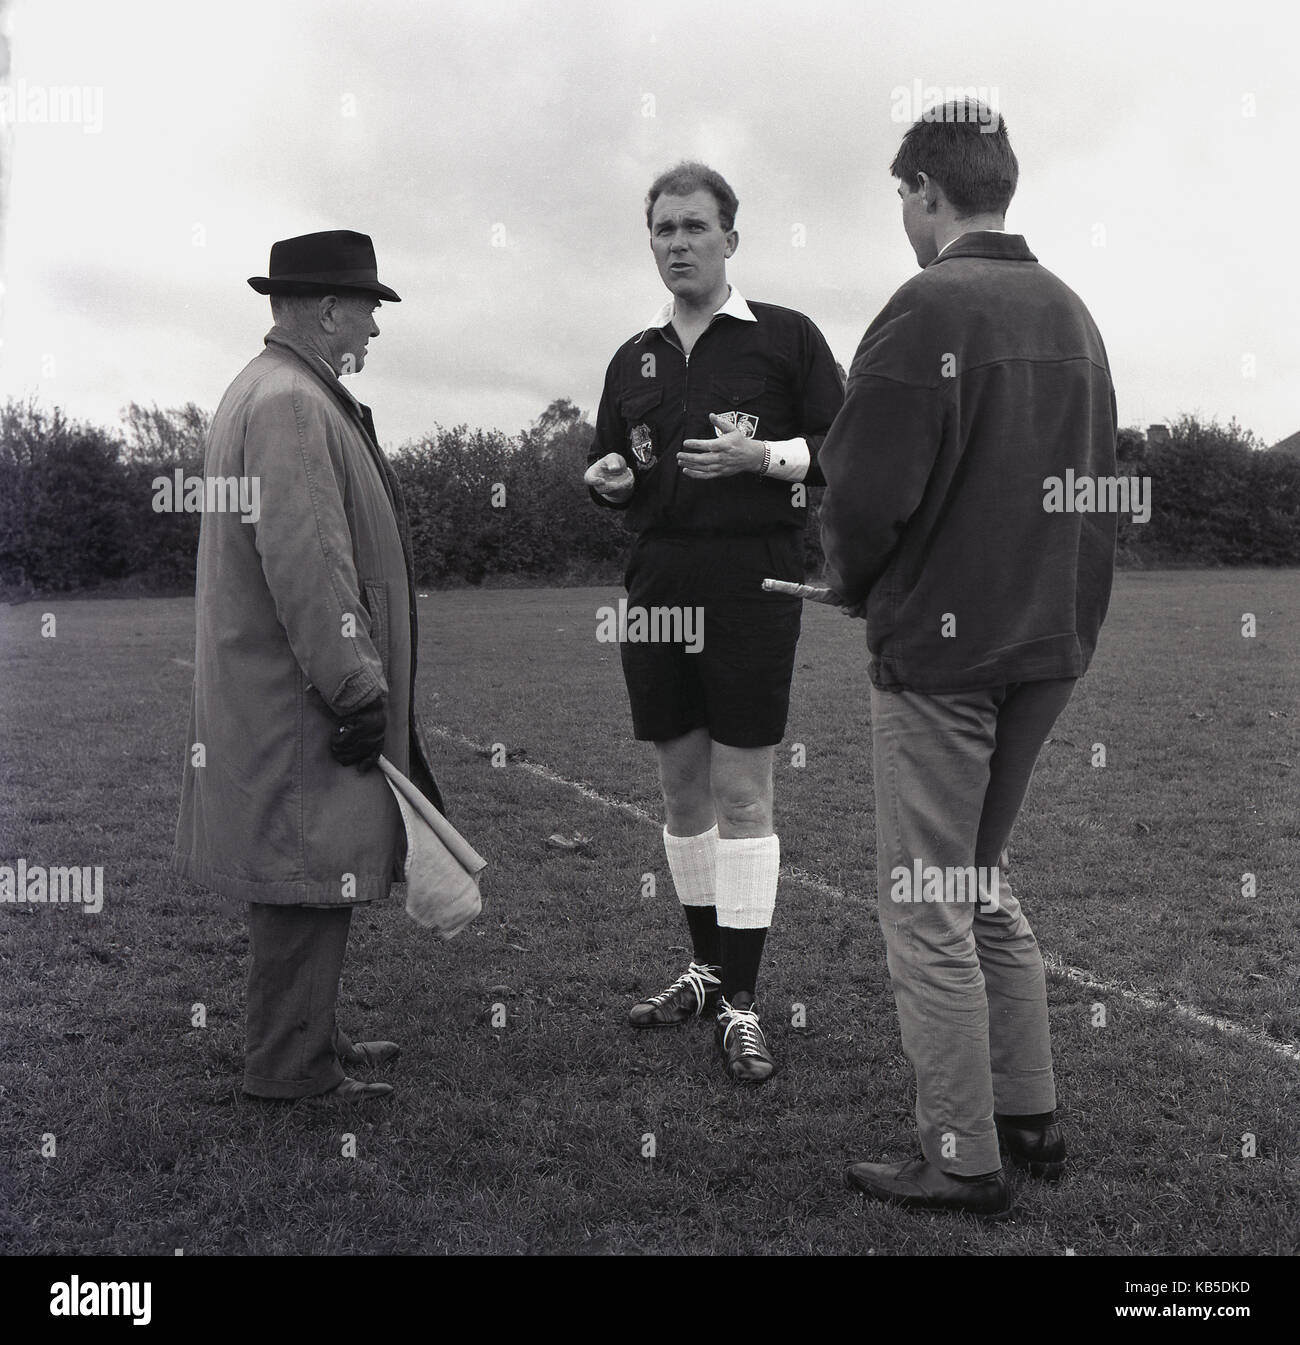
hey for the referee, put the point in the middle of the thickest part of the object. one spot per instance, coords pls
(707, 436)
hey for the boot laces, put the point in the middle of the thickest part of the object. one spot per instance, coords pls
(745, 1023)
(695, 977)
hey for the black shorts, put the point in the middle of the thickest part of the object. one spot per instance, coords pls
(738, 683)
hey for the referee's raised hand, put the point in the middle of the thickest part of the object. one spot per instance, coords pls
(727, 455)
(611, 477)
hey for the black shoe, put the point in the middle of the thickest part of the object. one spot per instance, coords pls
(695, 990)
(1039, 1150)
(919, 1185)
(370, 1054)
(353, 1090)
(742, 1044)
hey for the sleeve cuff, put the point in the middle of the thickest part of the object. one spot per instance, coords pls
(788, 459)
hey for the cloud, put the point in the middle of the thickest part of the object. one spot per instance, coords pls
(498, 153)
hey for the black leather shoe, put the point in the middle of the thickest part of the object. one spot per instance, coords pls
(353, 1090)
(1041, 1152)
(919, 1185)
(694, 991)
(370, 1054)
(742, 1044)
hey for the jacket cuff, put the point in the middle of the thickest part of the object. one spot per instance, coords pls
(358, 689)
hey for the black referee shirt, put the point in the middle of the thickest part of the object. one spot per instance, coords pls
(778, 370)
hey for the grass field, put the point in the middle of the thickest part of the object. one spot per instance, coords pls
(529, 1137)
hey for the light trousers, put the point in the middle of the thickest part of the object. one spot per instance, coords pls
(951, 772)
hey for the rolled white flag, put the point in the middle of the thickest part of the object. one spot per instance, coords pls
(442, 868)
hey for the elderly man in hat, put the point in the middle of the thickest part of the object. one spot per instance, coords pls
(304, 668)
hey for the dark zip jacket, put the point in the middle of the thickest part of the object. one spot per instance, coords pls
(777, 369)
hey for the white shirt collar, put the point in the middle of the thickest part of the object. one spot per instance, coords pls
(735, 307)
(967, 234)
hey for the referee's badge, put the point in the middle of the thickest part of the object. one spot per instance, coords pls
(642, 444)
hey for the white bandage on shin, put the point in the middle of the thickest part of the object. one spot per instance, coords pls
(747, 873)
(692, 861)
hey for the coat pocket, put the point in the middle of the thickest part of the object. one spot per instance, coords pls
(375, 596)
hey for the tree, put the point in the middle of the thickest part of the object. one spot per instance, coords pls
(63, 501)
(561, 415)
(171, 438)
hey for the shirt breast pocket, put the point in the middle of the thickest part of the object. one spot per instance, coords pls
(739, 398)
(641, 446)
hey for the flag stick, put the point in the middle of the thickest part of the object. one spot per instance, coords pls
(813, 592)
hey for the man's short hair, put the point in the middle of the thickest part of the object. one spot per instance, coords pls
(293, 306)
(301, 303)
(964, 147)
(689, 177)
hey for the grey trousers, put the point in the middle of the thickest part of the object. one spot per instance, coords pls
(295, 961)
(951, 772)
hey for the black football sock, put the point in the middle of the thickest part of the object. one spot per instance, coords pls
(703, 923)
(1038, 1121)
(742, 951)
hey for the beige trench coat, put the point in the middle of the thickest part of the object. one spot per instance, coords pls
(301, 616)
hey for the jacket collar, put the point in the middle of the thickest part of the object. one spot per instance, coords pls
(987, 243)
(360, 412)
(277, 336)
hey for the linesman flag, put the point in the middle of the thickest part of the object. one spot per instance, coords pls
(813, 592)
(442, 868)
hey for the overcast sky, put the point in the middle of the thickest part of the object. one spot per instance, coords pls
(1157, 178)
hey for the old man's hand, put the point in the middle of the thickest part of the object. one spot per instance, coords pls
(359, 737)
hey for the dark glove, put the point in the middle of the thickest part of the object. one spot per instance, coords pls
(359, 738)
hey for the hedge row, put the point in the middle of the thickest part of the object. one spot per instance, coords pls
(77, 502)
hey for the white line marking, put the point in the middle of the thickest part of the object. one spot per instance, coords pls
(545, 773)
(1144, 999)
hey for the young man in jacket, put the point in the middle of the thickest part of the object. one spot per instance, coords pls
(981, 381)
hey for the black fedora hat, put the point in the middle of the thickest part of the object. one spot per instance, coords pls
(323, 263)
